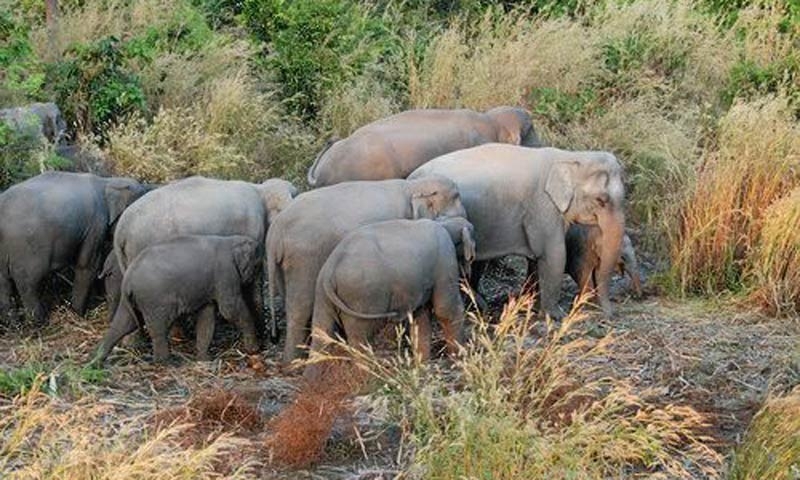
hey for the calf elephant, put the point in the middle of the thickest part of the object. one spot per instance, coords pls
(393, 147)
(227, 266)
(389, 270)
(55, 220)
(202, 206)
(584, 244)
(520, 201)
(112, 281)
(303, 235)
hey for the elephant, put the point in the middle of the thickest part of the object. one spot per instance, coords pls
(389, 270)
(583, 243)
(521, 201)
(112, 281)
(303, 235)
(395, 146)
(202, 206)
(228, 265)
(37, 121)
(55, 220)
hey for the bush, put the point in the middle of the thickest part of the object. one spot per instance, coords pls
(95, 86)
(771, 446)
(23, 156)
(316, 46)
(21, 75)
(756, 162)
(775, 269)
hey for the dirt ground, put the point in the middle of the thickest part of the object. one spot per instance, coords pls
(711, 355)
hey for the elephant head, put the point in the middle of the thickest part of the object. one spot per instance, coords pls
(277, 194)
(119, 193)
(587, 188)
(514, 126)
(245, 257)
(435, 197)
(463, 235)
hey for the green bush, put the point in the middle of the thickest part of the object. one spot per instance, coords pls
(315, 46)
(23, 156)
(95, 86)
(748, 80)
(21, 76)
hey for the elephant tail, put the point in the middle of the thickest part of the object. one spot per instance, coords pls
(274, 277)
(339, 303)
(312, 172)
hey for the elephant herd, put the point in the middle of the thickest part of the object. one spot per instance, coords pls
(400, 211)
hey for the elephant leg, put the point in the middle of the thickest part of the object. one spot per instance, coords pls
(158, 325)
(299, 307)
(204, 330)
(358, 330)
(421, 334)
(236, 311)
(254, 294)
(31, 300)
(122, 324)
(6, 297)
(81, 287)
(551, 273)
(323, 321)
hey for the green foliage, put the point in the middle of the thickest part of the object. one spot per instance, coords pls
(314, 46)
(560, 107)
(21, 76)
(62, 378)
(23, 155)
(749, 80)
(95, 85)
(220, 13)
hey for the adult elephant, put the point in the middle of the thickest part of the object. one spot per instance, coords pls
(393, 147)
(521, 201)
(202, 206)
(303, 235)
(56, 220)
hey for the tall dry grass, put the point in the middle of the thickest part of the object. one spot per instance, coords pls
(771, 446)
(231, 130)
(42, 438)
(518, 404)
(756, 162)
(775, 269)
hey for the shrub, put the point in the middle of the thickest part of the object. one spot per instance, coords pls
(355, 104)
(776, 266)
(232, 131)
(518, 405)
(23, 156)
(720, 222)
(316, 46)
(771, 446)
(95, 86)
(21, 75)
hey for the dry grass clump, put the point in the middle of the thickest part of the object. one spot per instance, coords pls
(766, 36)
(523, 405)
(231, 131)
(355, 104)
(776, 266)
(43, 438)
(720, 222)
(771, 446)
(498, 62)
(297, 435)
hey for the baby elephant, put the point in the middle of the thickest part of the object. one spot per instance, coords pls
(583, 257)
(390, 269)
(180, 277)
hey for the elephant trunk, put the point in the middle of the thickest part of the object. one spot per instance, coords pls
(612, 227)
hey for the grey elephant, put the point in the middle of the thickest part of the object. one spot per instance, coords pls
(584, 243)
(393, 147)
(521, 200)
(202, 206)
(56, 220)
(112, 281)
(183, 276)
(37, 120)
(389, 270)
(303, 235)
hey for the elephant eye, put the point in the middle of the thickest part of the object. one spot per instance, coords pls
(602, 200)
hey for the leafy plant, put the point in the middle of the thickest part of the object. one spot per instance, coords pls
(95, 86)
(21, 75)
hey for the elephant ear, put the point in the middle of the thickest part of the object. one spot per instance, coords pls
(422, 194)
(119, 193)
(244, 257)
(560, 185)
